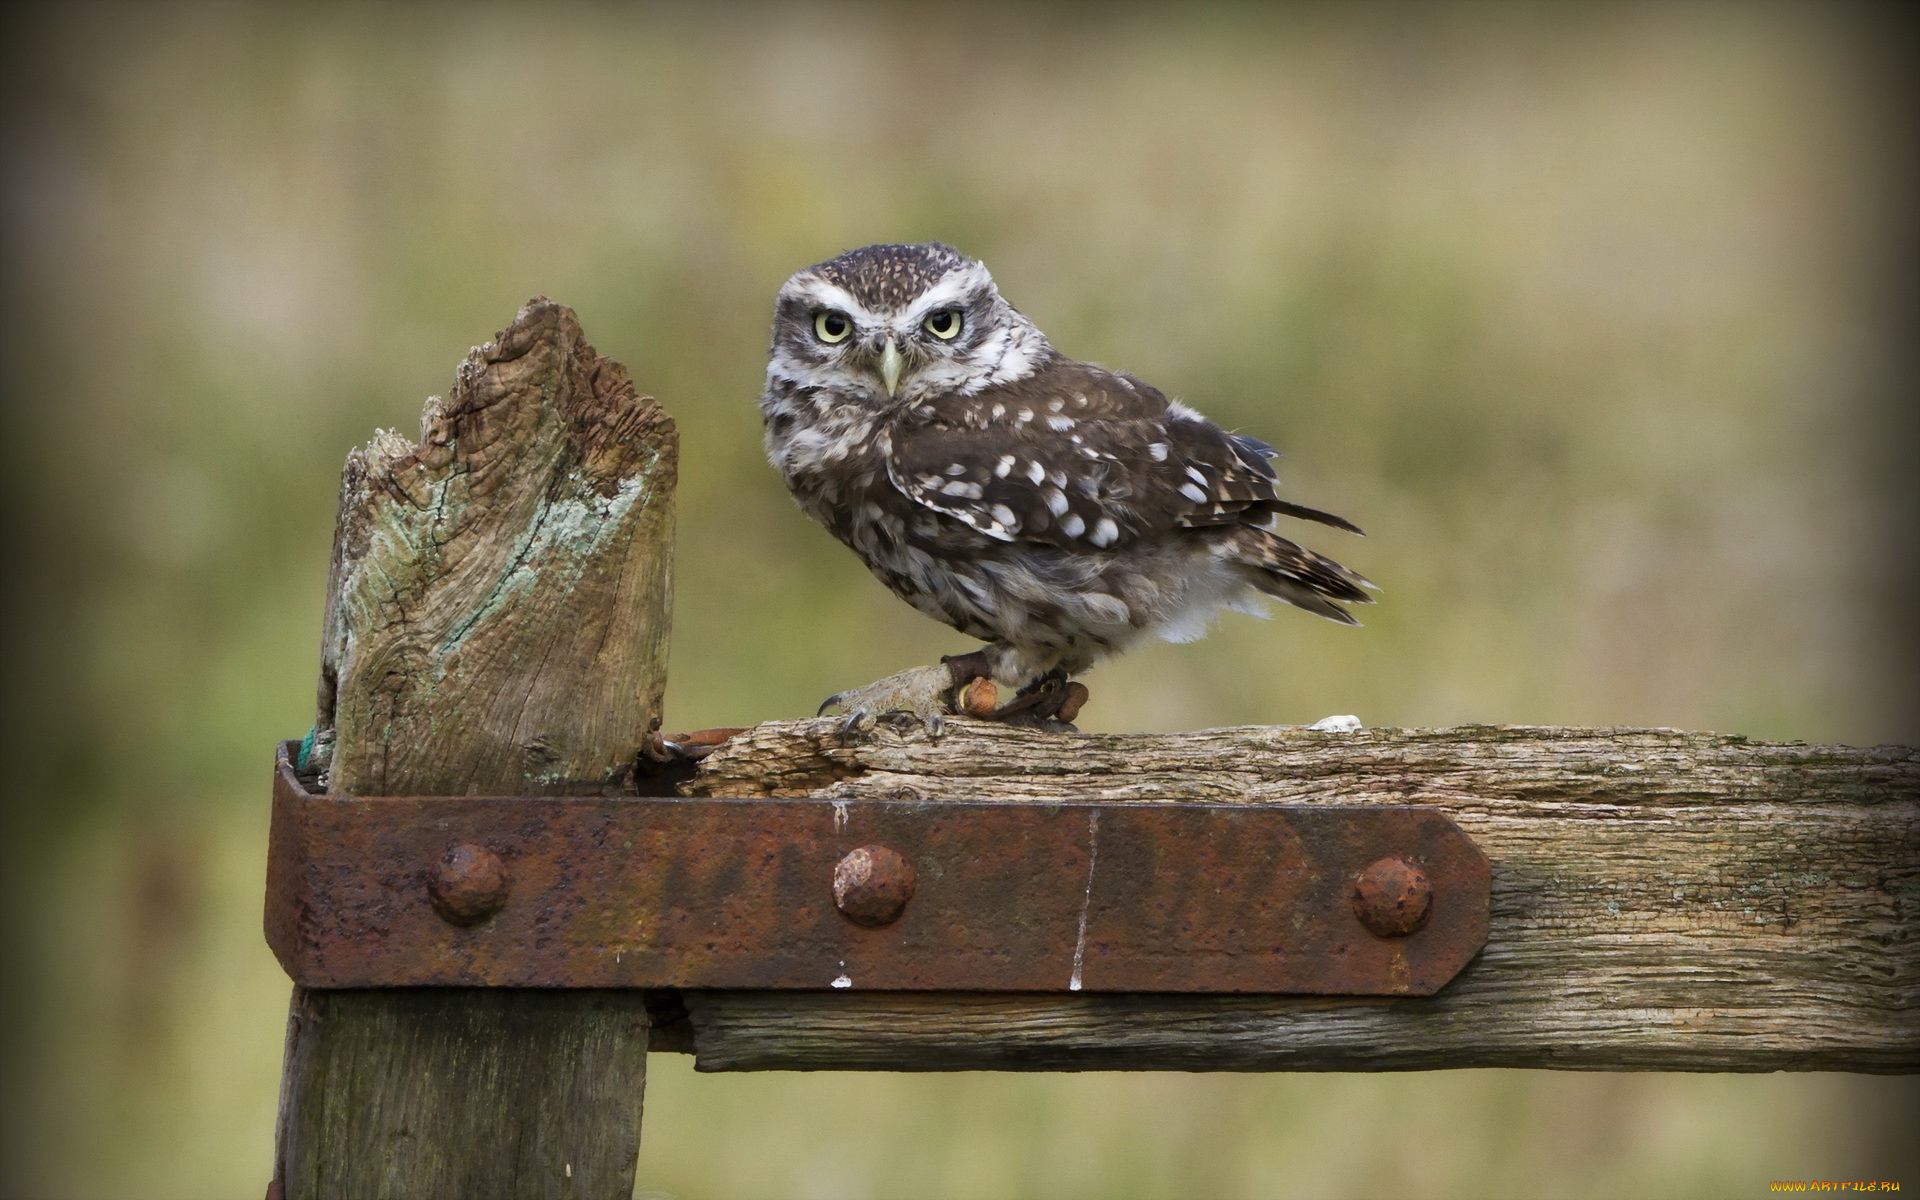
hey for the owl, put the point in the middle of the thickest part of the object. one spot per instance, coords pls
(1055, 510)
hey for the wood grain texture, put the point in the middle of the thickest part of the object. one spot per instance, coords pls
(497, 606)
(1661, 900)
(472, 1092)
(497, 620)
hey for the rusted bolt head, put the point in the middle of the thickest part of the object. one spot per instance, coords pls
(469, 884)
(1392, 897)
(872, 884)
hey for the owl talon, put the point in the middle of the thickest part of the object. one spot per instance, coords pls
(854, 724)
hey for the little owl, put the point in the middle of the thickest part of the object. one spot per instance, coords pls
(1053, 509)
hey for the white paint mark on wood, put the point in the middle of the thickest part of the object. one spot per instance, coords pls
(1347, 723)
(1086, 902)
(840, 819)
(843, 980)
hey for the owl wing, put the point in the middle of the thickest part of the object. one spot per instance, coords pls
(1077, 456)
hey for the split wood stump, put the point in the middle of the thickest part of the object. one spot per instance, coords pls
(496, 624)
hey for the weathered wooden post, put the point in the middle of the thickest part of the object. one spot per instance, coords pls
(496, 623)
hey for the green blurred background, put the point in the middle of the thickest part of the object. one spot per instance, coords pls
(1594, 317)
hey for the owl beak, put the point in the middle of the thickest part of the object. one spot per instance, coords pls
(890, 364)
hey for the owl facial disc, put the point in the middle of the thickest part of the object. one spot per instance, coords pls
(899, 324)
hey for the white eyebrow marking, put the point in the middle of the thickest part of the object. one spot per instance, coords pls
(1106, 533)
(823, 294)
(952, 287)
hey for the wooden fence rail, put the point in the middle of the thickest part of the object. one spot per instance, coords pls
(1661, 900)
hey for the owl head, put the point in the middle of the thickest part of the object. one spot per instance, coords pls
(891, 325)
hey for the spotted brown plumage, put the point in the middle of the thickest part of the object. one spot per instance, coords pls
(1053, 509)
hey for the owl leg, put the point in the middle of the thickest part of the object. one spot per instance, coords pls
(963, 683)
(927, 693)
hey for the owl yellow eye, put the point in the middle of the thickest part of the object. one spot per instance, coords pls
(944, 324)
(832, 326)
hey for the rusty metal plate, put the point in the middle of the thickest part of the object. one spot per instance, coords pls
(588, 891)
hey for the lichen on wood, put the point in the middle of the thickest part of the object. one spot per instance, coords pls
(1661, 901)
(503, 585)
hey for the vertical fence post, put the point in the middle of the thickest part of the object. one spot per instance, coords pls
(497, 621)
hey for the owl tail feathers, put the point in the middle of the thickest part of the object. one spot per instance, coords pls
(1302, 578)
(1287, 509)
